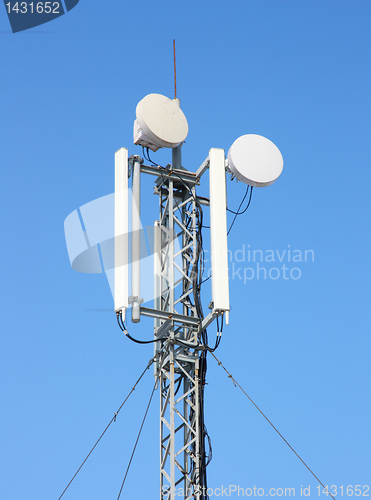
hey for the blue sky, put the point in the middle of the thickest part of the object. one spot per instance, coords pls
(297, 72)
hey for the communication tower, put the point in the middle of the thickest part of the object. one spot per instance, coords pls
(180, 325)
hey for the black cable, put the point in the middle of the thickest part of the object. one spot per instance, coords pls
(113, 419)
(144, 154)
(123, 328)
(203, 431)
(267, 419)
(139, 433)
(148, 157)
(238, 212)
(178, 381)
(219, 334)
(210, 455)
(176, 340)
(142, 341)
(243, 199)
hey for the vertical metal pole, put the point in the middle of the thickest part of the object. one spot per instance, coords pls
(135, 254)
(174, 69)
(171, 246)
(157, 288)
(172, 423)
(162, 452)
(172, 368)
(177, 152)
(177, 157)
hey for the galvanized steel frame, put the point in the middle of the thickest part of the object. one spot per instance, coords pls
(178, 359)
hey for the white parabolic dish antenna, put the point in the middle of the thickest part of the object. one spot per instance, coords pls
(162, 120)
(255, 160)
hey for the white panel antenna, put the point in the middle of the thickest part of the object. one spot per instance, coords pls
(121, 232)
(218, 232)
(255, 160)
(136, 226)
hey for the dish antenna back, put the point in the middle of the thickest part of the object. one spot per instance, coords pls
(255, 160)
(160, 123)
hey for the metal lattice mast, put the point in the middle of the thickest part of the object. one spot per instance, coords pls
(180, 429)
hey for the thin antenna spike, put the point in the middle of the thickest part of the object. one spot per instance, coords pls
(174, 68)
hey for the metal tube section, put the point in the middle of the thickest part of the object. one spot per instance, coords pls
(202, 169)
(172, 424)
(157, 288)
(153, 313)
(135, 242)
(171, 246)
(177, 157)
(177, 152)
